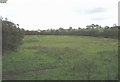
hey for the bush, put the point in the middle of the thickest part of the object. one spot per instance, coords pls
(12, 36)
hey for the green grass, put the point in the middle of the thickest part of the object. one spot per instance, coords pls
(63, 58)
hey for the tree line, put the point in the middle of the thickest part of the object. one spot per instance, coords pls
(90, 30)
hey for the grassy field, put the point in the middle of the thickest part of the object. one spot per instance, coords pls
(63, 58)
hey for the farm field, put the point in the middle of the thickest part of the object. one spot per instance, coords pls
(63, 58)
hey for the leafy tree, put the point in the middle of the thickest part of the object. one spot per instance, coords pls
(12, 36)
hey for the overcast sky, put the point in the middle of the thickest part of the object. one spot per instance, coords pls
(46, 14)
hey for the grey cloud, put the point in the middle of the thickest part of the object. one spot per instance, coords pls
(98, 19)
(94, 10)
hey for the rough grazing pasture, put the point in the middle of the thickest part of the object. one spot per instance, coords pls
(63, 58)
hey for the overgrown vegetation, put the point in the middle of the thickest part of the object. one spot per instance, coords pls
(63, 58)
(12, 36)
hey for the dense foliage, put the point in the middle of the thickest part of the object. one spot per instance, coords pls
(97, 31)
(12, 36)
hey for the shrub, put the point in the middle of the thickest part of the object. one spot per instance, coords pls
(12, 36)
